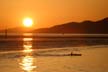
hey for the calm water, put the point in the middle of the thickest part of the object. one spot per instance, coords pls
(27, 61)
(25, 57)
(16, 41)
(20, 54)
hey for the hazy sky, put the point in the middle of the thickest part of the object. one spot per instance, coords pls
(46, 13)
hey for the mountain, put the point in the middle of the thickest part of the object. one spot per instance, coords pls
(85, 27)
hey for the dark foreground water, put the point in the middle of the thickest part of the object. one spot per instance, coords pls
(17, 42)
(52, 54)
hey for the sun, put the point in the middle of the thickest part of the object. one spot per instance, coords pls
(28, 22)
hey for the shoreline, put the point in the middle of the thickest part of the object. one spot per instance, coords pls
(42, 50)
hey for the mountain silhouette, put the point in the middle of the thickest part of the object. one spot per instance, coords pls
(85, 27)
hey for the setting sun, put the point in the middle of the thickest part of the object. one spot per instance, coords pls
(28, 22)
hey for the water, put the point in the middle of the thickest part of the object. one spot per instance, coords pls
(27, 61)
(41, 41)
(47, 54)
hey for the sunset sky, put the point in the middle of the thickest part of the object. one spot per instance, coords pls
(47, 13)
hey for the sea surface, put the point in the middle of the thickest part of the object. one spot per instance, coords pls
(52, 53)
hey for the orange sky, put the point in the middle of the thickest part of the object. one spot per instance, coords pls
(47, 13)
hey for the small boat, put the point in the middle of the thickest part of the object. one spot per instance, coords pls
(75, 54)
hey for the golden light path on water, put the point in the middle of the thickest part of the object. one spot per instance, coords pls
(27, 45)
(27, 62)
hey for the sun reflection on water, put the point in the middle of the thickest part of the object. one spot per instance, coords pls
(27, 62)
(27, 45)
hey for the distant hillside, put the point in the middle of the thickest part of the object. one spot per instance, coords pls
(17, 30)
(85, 27)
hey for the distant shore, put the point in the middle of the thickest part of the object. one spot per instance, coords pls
(54, 35)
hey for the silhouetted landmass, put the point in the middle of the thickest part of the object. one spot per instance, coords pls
(85, 27)
(17, 30)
